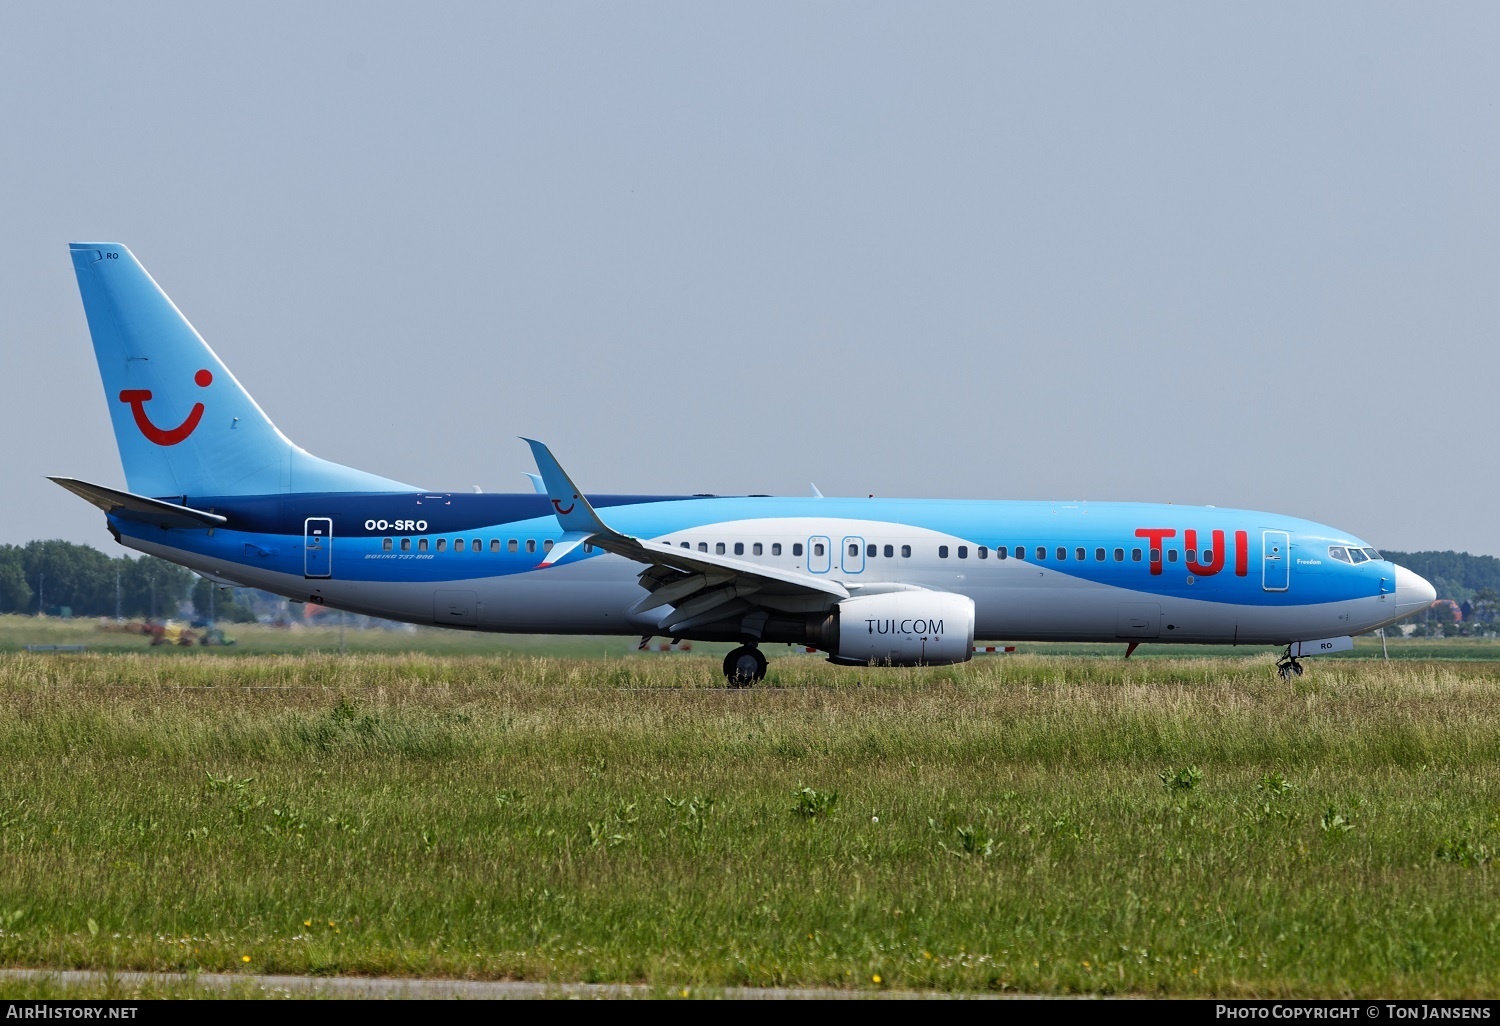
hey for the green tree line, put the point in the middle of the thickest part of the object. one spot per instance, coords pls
(1455, 575)
(60, 577)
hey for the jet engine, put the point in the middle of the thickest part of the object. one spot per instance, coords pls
(902, 628)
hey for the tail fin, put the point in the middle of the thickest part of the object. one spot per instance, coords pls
(184, 425)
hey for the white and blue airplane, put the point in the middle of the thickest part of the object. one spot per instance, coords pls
(213, 485)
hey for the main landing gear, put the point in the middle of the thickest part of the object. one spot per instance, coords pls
(744, 666)
(1288, 666)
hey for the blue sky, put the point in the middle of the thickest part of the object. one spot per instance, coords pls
(1237, 255)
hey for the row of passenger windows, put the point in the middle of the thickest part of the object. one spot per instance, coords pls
(1041, 552)
(474, 545)
(872, 550)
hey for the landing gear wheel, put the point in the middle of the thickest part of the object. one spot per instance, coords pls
(744, 666)
(1288, 668)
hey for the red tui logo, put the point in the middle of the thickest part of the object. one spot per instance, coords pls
(139, 397)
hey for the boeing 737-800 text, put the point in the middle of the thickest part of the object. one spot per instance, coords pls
(213, 485)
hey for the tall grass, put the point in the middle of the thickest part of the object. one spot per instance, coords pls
(1044, 825)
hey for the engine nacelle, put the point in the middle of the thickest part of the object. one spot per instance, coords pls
(903, 628)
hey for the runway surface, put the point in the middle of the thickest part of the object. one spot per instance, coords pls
(398, 988)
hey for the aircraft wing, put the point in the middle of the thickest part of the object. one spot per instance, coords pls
(699, 587)
(129, 506)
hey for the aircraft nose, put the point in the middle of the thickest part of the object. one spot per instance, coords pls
(1412, 591)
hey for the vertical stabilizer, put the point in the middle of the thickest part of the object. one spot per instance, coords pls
(184, 425)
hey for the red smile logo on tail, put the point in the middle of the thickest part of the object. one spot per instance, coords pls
(139, 397)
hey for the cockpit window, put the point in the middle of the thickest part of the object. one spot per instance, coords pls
(1373, 554)
(1339, 553)
(1357, 555)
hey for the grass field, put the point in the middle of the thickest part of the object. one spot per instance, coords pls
(1041, 824)
(18, 632)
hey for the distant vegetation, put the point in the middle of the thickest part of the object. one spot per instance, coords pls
(1455, 575)
(1468, 589)
(60, 578)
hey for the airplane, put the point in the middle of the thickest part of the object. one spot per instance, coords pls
(213, 485)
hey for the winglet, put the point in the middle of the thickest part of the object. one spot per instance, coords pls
(815, 493)
(566, 544)
(573, 511)
(536, 483)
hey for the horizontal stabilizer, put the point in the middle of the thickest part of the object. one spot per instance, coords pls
(139, 508)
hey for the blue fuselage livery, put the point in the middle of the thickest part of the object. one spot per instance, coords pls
(214, 486)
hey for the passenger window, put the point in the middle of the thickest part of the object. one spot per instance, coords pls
(870, 550)
(999, 551)
(718, 548)
(386, 544)
(510, 546)
(421, 544)
(854, 548)
(530, 544)
(1099, 555)
(776, 548)
(756, 549)
(982, 552)
(906, 552)
(1041, 552)
(476, 545)
(1208, 557)
(587, 547)
(796, 548)
(442, 545)
(1171, 555)
(818, 549)
(942, 552)
(703, 546)
(547, 545)
(1135, 555)
(405, 544)
(963, 552)
(686, 545)
(1119, 555)
(1080, 554)
(1156, 555)
(494, 544)
(1062, 553)
(890, 550)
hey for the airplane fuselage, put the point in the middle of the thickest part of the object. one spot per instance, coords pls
(1051, 571)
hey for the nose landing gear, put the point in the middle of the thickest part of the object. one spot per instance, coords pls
(1288, 666)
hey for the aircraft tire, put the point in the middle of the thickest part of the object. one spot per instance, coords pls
(744, 666)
